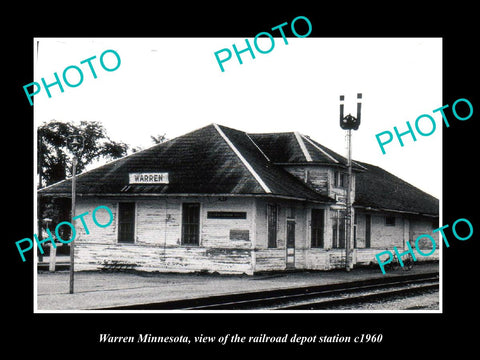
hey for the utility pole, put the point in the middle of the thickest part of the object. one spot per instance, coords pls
(349, 123)
(75, 143)
(72, 246)
(40, 176)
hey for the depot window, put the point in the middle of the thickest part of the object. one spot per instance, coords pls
(190, 223)
(390, 220)
(126, 222)
(272, 214)
(317, 224)
(339, 179)
(338, 229)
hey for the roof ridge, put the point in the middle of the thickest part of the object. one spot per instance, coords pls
(271, 133)
(243, 160)
(320, 149)
(299, 139)
(113, 161)
(258, 147)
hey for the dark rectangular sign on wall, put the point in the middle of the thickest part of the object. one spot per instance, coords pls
(239, 235)
(226, 215)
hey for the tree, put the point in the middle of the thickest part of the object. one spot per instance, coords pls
(159, 138)
(54, 163)
(54, 156)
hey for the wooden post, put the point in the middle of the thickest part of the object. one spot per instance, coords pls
(72, 250)
(53, 256)
(40, 176)
(77, 142)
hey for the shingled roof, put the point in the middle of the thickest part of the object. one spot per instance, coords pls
(294, 148)
(212, 160)
(217, 160)
(378, 189)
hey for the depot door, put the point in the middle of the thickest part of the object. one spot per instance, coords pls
(290, 256)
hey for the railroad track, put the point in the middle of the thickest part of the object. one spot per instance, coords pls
(328, 296)
(364, 294)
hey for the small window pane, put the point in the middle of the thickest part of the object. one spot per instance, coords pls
(126, 222)
(317, 228)
(272, 225)
(190, 223)
(390, 220)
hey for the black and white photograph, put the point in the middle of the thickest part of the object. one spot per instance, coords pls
(245, 210)
(267, 183)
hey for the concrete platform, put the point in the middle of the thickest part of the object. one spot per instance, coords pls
(95, 290)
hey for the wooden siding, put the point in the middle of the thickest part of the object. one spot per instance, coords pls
(107, 235)
(384, 236)
(269, 259)
(364, 257)
(338, 191)
(167, 259)
(317, 259)
(420, 227)
(321, 179)
(316, 177)
(157, 245)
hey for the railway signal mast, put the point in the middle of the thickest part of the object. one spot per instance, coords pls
(349, 123)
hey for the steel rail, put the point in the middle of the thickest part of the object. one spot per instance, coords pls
(281, 298)
(361, 299)
(269, 301)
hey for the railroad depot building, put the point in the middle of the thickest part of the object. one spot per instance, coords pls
(222, 200)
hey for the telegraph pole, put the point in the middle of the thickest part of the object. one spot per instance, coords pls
(40, 176)
(349, 123)
(75, 143)
(72, 250)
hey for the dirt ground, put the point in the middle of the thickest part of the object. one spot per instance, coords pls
(94, 290)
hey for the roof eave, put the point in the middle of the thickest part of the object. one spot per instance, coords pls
(150, 195)
(378, 209)
(317, 163)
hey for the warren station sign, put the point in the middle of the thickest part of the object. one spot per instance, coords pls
(148, 178)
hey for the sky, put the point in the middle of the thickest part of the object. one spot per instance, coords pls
(175, 86)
